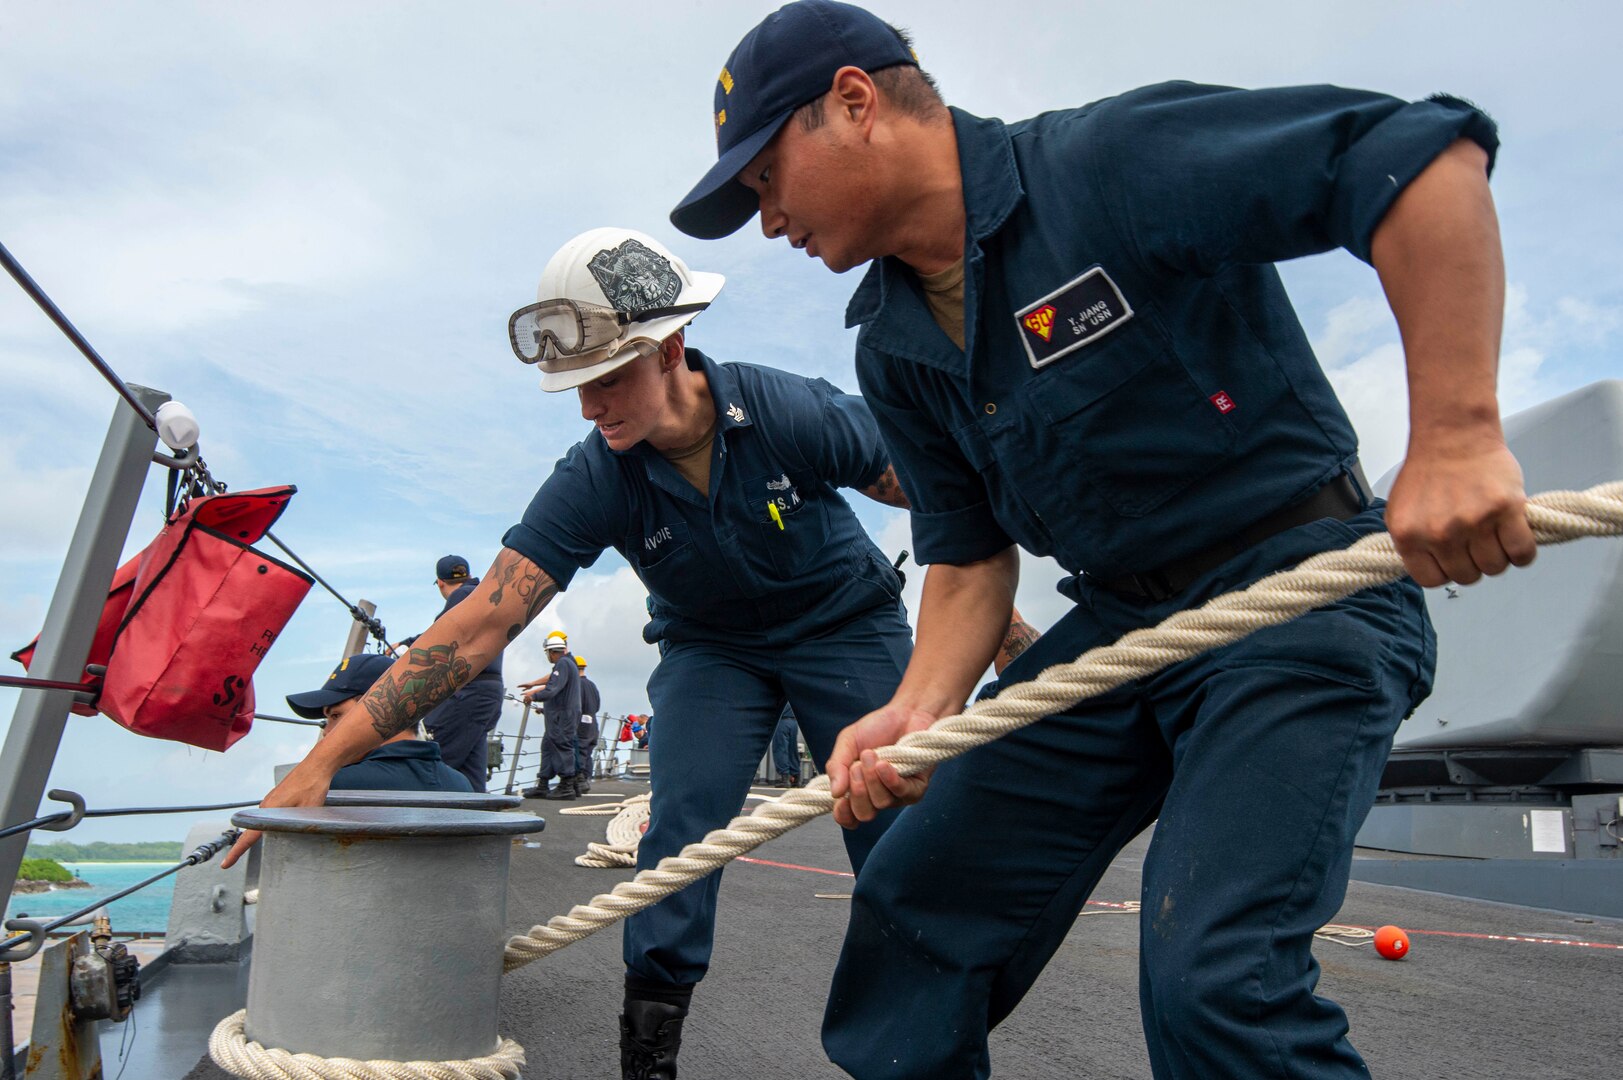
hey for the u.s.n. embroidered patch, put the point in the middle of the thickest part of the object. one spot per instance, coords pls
(1081, 311)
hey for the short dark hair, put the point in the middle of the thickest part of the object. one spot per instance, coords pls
(908, 87)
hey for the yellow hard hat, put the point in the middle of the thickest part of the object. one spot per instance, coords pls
(580, 661)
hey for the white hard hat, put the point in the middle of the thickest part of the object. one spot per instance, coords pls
(627, 271)
(557, 640)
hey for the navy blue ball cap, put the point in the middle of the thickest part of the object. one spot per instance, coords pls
(451, 568)
(352, 678)
(786, 61)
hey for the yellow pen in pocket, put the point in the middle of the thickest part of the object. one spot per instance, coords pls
(772, 509)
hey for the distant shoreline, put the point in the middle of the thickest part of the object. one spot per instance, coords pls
(117, 862)
(33, 888)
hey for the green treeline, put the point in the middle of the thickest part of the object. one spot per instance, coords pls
(43, 870)
(101, 851)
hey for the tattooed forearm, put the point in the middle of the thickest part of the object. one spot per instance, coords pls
(530, 584)
(888, 490)
(399, 702)
(1019, 638)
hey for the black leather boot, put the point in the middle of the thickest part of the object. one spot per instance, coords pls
(583, 783)
(564, 790)
(650, 1036)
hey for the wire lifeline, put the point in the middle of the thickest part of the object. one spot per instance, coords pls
(204, 481)
(1556, 517)
(45, 821)
(54, 313)
(36, 930)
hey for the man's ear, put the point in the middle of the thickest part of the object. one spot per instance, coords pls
(855, 95)
(672, 353)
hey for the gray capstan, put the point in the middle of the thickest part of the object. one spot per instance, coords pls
(356, 904)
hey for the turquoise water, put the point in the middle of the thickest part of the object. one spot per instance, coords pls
(146, 910)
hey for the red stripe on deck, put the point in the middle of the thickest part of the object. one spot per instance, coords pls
(793, 866)
(1524, 939)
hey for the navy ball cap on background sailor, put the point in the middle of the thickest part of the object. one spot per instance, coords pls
(451, 568)
(786, 61)
(352, 678)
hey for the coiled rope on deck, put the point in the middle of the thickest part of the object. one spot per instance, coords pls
(231, 1051)
(624, 832)
(1556, 517)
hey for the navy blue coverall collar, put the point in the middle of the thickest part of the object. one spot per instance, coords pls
(730, 413)
(887, 300)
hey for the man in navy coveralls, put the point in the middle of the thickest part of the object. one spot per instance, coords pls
(1074, 341)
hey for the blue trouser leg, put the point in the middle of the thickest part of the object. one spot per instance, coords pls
(969, 893)
(785, 748)
(833, 680)
(460, 726)
(1279, 743)
(1267, 754)
(717, 707)
(585, 743)
(557, 747)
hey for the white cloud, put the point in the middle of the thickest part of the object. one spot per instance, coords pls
(1358, 345)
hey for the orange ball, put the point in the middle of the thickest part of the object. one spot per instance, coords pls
(1392, 943)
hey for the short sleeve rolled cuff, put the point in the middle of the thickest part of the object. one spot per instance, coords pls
(550, 556)
(957, 537)
(1377, 168)
(569, 522)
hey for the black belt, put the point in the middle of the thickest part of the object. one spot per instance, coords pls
(1341, 499)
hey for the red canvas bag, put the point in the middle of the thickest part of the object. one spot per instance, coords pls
(199, 610)
(207, 607)
(101, 646)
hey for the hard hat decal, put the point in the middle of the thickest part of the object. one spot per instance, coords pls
(635, 278)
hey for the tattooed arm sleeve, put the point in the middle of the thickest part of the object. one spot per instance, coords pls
(459, 644)
(888, 490)
(1019, 638)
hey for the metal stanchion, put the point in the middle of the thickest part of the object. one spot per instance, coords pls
(518, 748)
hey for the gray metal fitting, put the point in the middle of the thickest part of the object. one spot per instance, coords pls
(356, 905)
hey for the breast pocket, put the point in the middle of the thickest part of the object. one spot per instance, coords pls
(1126, 411)
(791, 523)
(663, 557)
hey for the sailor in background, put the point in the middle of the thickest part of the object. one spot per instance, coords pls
(559, 693)
(719, 484)
(591, 707)
(786, 749)
(406, 762)
(1074, 340)
(462, 725)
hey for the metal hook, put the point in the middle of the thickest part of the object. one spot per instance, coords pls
(75, 815)
(34, 929)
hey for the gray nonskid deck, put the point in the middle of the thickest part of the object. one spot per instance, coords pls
(1458, 1007)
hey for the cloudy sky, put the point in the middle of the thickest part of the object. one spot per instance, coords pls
(309, 222)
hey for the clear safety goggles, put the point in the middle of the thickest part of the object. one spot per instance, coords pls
(570, 328)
